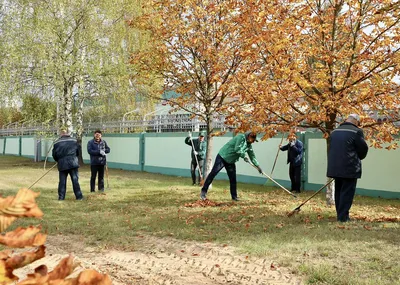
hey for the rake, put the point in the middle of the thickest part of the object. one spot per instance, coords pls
(197, 162)
(108, 184)
(269, 177)
(42, 176)
(319, 190)
(276, 158)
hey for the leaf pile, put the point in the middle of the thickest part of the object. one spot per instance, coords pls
(24, 205)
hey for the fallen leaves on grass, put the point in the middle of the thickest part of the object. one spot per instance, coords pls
(204, 203)
(376, 219)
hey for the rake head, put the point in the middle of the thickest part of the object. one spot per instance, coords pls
(295, 211)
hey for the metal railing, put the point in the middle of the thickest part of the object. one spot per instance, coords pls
(154, 124)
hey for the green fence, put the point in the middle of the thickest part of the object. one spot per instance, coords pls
(166, 153)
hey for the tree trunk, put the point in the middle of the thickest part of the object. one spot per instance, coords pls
(330, 189)
(209, 162)
(79, 121)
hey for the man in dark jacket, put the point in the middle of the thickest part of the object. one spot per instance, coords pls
(347, 148)
(97, 148)
(295, 160)
(228, 155)
(65, 152)
(199, 147)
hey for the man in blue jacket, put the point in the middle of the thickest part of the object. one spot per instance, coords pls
(65, 152)
(97, 148)
(228, 155)
(295, 160)
(347, 148)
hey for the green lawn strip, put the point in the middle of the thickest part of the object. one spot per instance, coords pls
(311, 243)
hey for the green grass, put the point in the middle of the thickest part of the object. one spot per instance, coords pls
(311, 243)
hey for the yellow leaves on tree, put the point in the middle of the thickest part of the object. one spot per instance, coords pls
(24, 205)
(312, 64)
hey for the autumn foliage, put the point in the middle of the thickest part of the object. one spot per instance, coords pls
(24, 205)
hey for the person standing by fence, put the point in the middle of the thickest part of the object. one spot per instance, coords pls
(97, 148)
(66, 152)
(295, 160)
(198, 153)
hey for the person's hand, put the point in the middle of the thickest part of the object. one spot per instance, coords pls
(195, 152)
(259, 170)
(246, 159)
(102, 152)
(292, 143)
(190, 135)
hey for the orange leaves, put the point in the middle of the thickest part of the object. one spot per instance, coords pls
(24, 237)
(25, 258)
(22, 205)
(204, 203)
(62, 270)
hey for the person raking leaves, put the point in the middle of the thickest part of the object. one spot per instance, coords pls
(228, 155)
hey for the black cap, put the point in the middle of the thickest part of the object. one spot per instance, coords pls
(254, 136)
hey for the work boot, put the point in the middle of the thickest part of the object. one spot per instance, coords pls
(203, 195)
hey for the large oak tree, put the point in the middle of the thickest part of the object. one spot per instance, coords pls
(314, 62)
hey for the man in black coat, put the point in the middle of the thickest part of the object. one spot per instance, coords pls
(65, 152)
(347, 148)
(97, 148)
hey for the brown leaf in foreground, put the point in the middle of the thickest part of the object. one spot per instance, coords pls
(5, 222)
(6, 275)
(24, 237)
(25, 258)
(22, 205)
(63, 269)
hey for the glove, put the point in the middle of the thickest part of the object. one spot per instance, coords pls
(102, 152)
(195, 152)
(190, 135)
(259, 170)
(246, 159)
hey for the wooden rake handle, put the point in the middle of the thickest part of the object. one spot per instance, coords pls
(309, 198)
(270, 178)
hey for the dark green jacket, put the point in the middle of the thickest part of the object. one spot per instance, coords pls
(200, 147)
(236, 148)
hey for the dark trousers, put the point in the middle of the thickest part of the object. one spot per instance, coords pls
(62, 184)
(345, 189)
(94, 170)
(193, 166)
(295, 177)
(231, 171)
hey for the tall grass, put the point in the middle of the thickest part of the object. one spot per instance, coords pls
(311, 243)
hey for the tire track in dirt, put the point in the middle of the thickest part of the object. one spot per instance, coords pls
(167, 261)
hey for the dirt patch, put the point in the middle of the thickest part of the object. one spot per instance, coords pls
(167, 261)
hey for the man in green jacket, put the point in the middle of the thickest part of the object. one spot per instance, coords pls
(199, 147)
(227, 156)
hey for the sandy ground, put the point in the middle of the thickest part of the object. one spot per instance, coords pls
(167, 261)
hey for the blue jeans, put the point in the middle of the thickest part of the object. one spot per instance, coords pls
(62, 184)
(231, 171)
